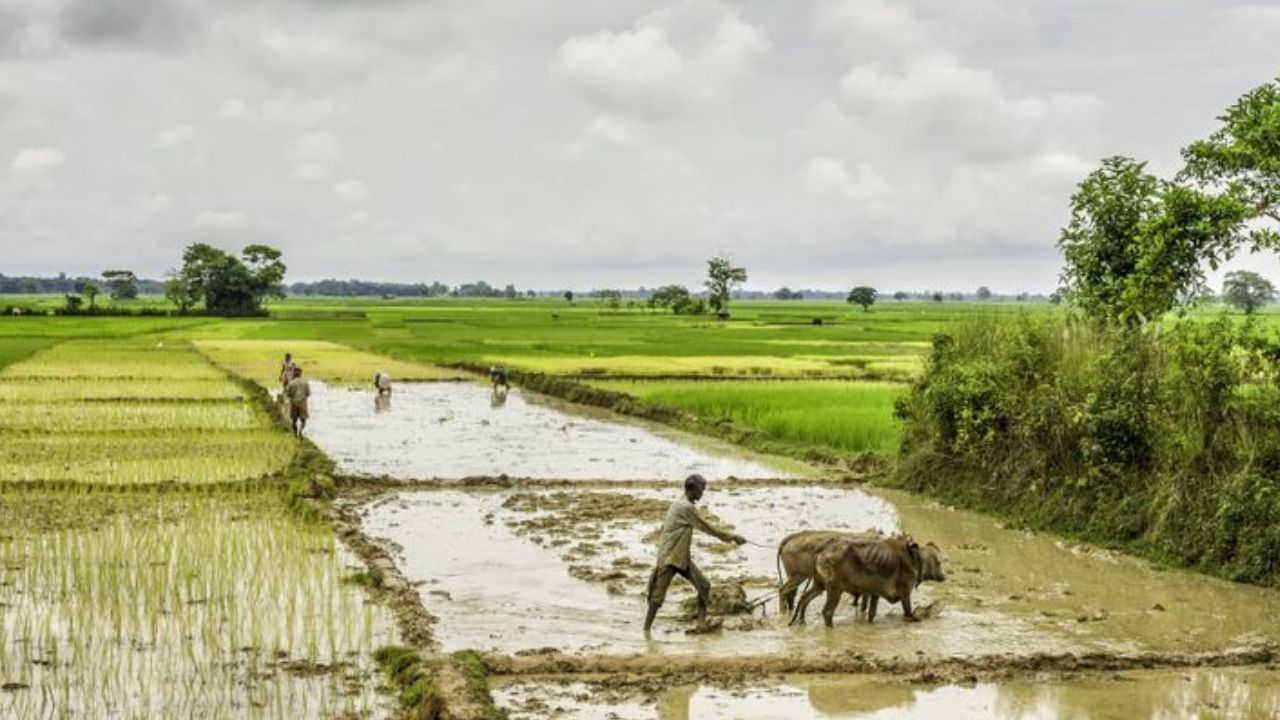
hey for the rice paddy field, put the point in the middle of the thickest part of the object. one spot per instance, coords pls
(169, 549)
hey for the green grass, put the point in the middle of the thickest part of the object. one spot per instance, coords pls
(848, 417)
(260, 360)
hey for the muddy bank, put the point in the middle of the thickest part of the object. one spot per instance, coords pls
(458, 430)
(1192, 692)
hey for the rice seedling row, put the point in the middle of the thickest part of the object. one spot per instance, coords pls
(183, 607)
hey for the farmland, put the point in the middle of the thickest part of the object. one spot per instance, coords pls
(170, 546)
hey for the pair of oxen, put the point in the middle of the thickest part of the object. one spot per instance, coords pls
(867, 565)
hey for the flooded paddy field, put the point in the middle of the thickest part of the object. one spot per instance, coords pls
(1191, 693)
(141, 605)
(455, 430)
(529, 570)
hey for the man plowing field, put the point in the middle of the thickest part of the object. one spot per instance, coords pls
(674, 552)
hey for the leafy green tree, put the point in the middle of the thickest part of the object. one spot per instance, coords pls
(862, 295)
(670, 297)
(984, 293)
(89, 291)
(936, 297)
(123, 284)
(786, 293)
(1247, 290)
(1135, 246)
(1244, 155)
(225, 284)
(610, 297)
(178, 292)
(900, 295)
(73, 302)
(568, 296)
(722, 278)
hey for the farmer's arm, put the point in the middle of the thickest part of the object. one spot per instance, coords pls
(695, 519)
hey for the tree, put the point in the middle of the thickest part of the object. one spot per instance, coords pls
(984, 293)
(178, 292)
(1244, 155)
(89, 291)
(123, 284)
(936, 297)
(1247, 290)
(862, 295)
(900, 295)
(722, 278)
(509, 292)
(610, 297)
(671, 297)
(227, 285)
(786, 293)
(73, 302)
(1135, 246)
(568, 296)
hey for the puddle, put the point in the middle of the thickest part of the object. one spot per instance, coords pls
(456, 430)
(1194, 693)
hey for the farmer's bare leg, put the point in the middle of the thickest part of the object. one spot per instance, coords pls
(703, 586)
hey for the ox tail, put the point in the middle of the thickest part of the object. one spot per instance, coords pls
(778, 562)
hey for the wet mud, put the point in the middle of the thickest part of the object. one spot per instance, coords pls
(1195, 692)
(457, 430)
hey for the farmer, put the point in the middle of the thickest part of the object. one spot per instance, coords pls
(287, 369)
(298, 391)
(382, 382)
(673, 552)
(498, 376)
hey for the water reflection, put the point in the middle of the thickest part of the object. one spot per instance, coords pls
(498, 397)
(381, 403)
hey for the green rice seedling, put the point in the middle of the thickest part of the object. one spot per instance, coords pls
(850, 417)
(168, 607)
(259, 361)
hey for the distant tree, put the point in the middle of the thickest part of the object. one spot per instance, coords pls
(984, 293)
(123, 284)
(862, 295)
(900, 295)
(89, 291)
(670, 297)
(73, 302)
(1247, 290)
(225, 284)
(530, 294)
(722, 278)
(510, 292)
(786, 293)
(610, 297)
(568, 296)
(936, 297)
(178, 292)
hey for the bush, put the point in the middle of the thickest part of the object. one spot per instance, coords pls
(1165, 438)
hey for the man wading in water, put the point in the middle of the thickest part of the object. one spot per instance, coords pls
(673, 552)
(297, 391)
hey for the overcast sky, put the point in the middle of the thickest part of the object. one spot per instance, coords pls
(822, 143)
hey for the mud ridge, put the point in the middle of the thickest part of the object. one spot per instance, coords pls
(364, 485)
(642, 669)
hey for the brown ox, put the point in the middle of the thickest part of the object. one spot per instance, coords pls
(797, 554)
(890, 568)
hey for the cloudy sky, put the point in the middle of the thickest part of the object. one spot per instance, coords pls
(821, 143)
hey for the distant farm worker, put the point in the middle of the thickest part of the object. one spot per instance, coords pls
(298, 391)
(673, 552)
(287, 369)
(498, 376)
(382, 382)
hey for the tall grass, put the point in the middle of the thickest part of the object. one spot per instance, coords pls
(850, 417)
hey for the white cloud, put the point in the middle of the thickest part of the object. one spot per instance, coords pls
(831, 176)
(670, 59)
(233, 108)
(219, 220)
(36, 161)
(351, 189)
(173, 137)
(315, 155)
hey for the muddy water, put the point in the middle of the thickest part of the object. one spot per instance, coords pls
(559, 571)
(1197, 693)
(455, 430)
